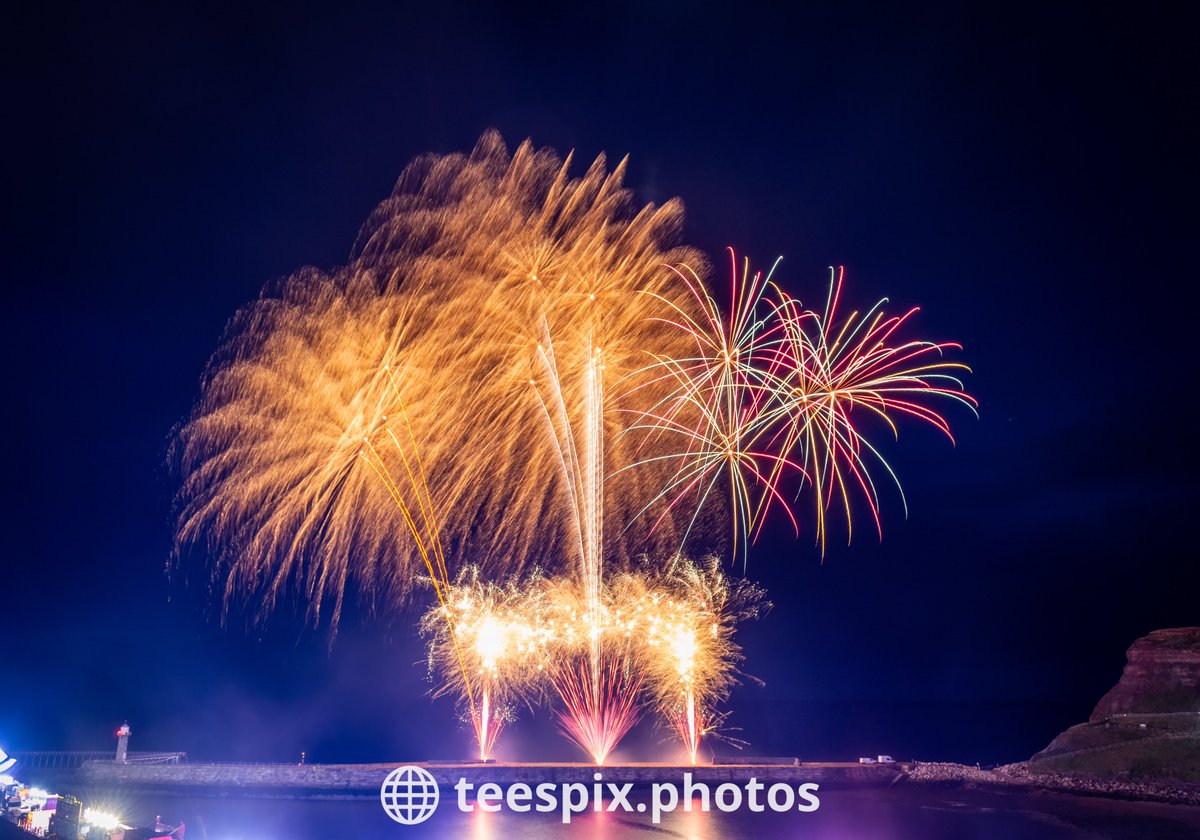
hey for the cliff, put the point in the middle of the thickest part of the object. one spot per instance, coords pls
(1147, 727)
(1162, 675)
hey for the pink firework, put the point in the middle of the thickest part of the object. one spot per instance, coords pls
(600, 706)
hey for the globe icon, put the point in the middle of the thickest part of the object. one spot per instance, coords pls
(409, 795)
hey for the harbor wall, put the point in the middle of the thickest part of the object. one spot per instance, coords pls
(329, 780)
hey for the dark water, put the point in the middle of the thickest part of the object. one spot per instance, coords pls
(896, 814)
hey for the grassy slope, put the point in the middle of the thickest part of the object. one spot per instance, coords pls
(1151, 759)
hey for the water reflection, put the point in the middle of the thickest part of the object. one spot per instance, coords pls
(483, 827)
(898, 814)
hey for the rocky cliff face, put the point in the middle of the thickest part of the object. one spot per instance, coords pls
(1162, 674)
(1147, 727)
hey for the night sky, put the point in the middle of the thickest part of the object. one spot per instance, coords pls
(1027, 176)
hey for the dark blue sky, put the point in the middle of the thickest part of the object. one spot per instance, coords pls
(1027, 175)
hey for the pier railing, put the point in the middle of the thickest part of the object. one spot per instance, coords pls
(69, 759)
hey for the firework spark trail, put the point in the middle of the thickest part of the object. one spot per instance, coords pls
(771, 394)
(853, 363)
(427, 542)
(722, 407)
(584, 481)
(595, 478)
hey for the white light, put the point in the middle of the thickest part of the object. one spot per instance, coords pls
(683, 645)
(490, 641)
(101, 819)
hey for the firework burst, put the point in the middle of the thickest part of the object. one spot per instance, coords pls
(447, 391)
(859, 364)
(275, 484)
(768, 397)
(721, 408)
(474, 383)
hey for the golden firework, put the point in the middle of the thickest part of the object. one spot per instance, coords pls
(452, 391)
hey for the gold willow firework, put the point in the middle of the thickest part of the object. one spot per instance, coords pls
(772, 391)
(449, 392)
(666, 642)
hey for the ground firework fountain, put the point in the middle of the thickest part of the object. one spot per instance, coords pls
(598, 695)
(666, 642)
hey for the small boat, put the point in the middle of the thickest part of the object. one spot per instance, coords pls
(160, 831)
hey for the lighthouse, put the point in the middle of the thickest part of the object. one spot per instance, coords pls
(123, 743)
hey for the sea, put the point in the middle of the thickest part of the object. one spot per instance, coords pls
(899, 813)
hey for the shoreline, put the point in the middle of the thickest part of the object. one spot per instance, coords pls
(1018, 776)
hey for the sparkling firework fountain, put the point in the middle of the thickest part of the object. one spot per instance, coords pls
(490, 629)
(594, 695)
(686, 617)
(667, 642)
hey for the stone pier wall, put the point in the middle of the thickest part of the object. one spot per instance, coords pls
(365, 779)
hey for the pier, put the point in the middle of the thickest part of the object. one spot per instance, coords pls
(355, 780)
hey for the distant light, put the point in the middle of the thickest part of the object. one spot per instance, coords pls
(101, 820)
